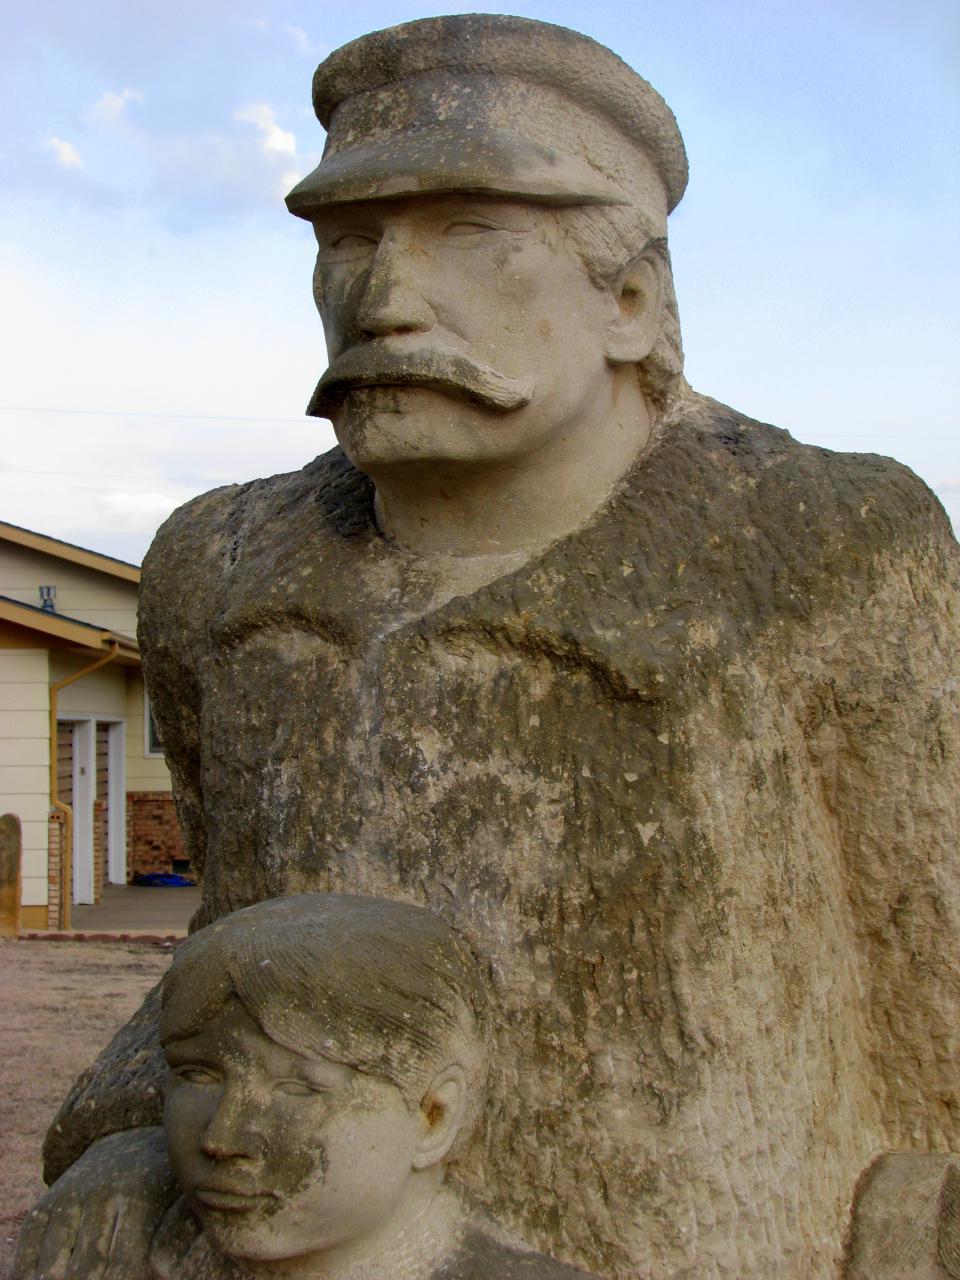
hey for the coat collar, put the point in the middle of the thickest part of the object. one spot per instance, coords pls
(662, 569)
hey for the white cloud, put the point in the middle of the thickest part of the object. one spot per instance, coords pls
(110, 107)
(134, 512)
(315, 48)
(299, 38)
(289, 178)
(67, 154)
(273, 138)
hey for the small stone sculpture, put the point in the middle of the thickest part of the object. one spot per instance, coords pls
(327, 1059)
(906, 1223)
(656, 703)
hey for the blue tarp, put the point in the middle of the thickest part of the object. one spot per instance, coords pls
(163, 880)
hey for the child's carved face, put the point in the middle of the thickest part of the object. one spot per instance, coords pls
(281, 1155)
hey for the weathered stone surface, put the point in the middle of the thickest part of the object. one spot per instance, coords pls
(658, 705)
(125, 1083)
(688, 779)
(133, 1175)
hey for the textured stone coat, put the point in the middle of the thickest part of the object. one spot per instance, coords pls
(688, 779)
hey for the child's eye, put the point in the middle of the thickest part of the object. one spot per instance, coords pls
(298, 1088)
(195, 1075)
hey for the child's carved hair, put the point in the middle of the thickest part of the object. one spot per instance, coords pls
(385, 987)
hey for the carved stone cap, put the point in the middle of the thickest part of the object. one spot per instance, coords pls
(491, 104)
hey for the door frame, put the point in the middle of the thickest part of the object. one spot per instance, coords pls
(84, 729)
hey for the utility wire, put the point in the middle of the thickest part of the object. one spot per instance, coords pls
(140, 413)
(227, 417)
(117, 475)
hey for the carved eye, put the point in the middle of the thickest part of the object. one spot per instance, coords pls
(352, 242)
(195, 1075)
(298, 1088)
(467, 227)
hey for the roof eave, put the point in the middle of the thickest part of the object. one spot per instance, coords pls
(67, 551)
(71, 631)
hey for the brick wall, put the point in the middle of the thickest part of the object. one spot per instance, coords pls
(153, 834)
(99, 847)
(55, 830)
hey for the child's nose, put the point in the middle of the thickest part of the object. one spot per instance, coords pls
(232, 1129)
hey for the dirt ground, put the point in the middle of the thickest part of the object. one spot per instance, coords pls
(60, 1002)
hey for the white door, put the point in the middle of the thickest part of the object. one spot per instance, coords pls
(117, 803)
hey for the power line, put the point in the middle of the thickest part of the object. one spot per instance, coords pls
(140, 413)
(117, 475)
(226, 417)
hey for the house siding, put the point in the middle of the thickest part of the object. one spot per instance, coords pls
(25, 759)
(29, 663)
(100, 695)
(144, 773)
(81, 593)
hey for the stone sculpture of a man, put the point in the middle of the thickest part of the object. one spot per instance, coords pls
(654, 701)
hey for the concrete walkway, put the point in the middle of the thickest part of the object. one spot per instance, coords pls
(135, 909)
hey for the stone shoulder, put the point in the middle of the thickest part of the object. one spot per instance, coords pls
(794, 523)
(730, 533)
(836, 484)
(867, 495)
(193, 552)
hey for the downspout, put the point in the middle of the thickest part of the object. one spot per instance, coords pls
(66, 861)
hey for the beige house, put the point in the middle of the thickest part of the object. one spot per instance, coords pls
(71, 693)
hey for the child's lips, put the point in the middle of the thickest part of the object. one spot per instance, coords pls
(230, 1199)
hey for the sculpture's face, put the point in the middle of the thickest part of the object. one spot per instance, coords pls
(279, 1155)
(445, 290)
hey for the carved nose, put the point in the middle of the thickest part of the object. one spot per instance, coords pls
(391, 301)
(229, 1133)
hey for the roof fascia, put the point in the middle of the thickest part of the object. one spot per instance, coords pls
(56, 627)
(66, 551)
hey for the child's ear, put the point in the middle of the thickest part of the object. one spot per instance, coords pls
(441, 1114)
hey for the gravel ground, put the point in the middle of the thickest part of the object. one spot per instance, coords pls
(60, 1002)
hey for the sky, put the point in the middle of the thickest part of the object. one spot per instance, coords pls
(158, 333)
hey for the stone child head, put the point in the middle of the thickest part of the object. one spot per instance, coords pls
(325, 1059)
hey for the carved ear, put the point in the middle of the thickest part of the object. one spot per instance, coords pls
(639, 294)
(441, 1114)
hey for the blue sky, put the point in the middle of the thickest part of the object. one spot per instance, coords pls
(155, 311)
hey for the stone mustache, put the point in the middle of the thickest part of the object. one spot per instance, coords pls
(655, 703)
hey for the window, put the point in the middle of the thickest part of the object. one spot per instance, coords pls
(152, 746)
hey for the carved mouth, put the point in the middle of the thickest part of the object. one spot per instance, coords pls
(228, 1201)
